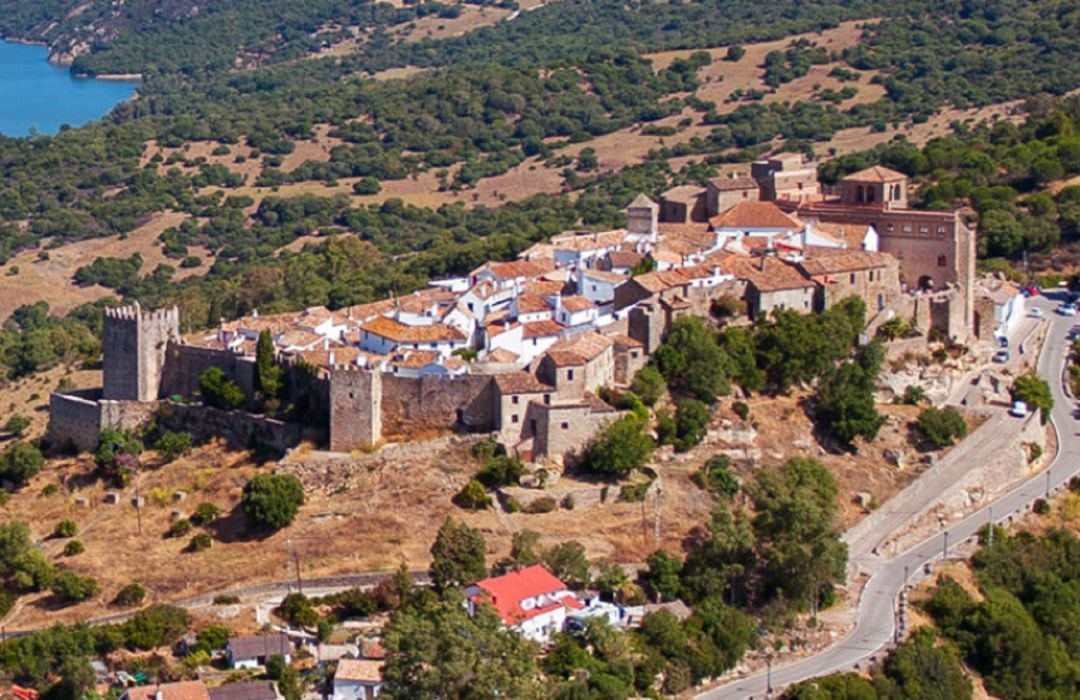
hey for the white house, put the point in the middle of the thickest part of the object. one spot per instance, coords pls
(531, 601)
(573, 311)
(598, 286)
(385, 336)
(358, 679)
(756, 219)
(252, 652)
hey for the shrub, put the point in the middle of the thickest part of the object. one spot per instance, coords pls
(941, 427)
(472, 496)
(219, 391)
(173, 445)
(73, 548)
(633, 493)
(129, 596)
(913, 395)
(205, 513)
(73, 588)
(1041, 507)
(741, 409)
(275, 665)
(649, 385)
(20, 462)
(545, 504)
(716, 476)
(297, 609)
(226, 599)
(272, 500)
(500, 471)
(65, 528)
(17, 425)
(367, 185)
(513, 505)
(568, 501)
(179, 528)
(200, 542)
(620, 447)
(734, 53)
(1035, 392)
(691, 423)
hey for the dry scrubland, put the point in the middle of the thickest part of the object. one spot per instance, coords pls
(370, 512)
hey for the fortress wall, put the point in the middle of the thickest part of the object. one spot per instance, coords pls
(74, 420)
(436, 403)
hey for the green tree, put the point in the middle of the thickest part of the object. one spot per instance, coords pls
(839, 686)
(1035, 392)
(219, 391)
(268, 374)
(272, 500)
(619, 448)
(649, 385)
(73, 588)
(691, 423)
(691, 360)
(129, 596)
(942, 426)
(297, 610)
(472, 496)
(65, 528)
(716, 476)
(457, 555)
(437, 650)
(661, 579)
(17, 425)
(173, 445)
(920, 669)
(567, 561)
(20, 462)
(844, 403)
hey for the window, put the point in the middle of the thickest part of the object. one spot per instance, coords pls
(514, 399)
(564, 425)
(851, 279)
(942, 261)
(515, 418)
(547, 399)
(924, 230)
(434, 346)
(570, 375)
(889, 228)
(906, 228)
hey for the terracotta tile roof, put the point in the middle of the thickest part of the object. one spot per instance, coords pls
(876, 173)
(827, 261)
(683, 193)
(532, 303)
(298, 339)
(182, 690)
(521, 383)
(662, 255)
(363, 312)
(517, 269)
(415, 359)
(624, 258)
(625, 341)
(698, 235)
(579, 349)
(661, 280)
(506, 592)
(733, 184)
(576, 303)
(776, 275)
(276, 323)
(604, 276)
(582, 241)
(494, 329)
(851, 235)
(251, 690)
(343, 355)
(501, 355)
(542, 329)
(400, 333)
(747, 215)
(364, 670)
(455, 363)
(544, 287)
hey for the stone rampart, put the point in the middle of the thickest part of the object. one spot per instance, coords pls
(184, 364)
(241, 430)
(74, 420)
(436, 403)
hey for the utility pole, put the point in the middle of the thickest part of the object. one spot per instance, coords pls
(945, 546)
(656, 515)
(1048, 483)
(768, 677)
(990, 531)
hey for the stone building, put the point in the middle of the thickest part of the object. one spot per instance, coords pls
(137, 342)
(684, 204)
(722, 193)
(873, 277)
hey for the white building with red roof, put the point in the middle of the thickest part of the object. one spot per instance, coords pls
(532, 601)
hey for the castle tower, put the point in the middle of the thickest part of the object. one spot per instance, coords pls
(355, 407)
(642, 217)
(135, 342)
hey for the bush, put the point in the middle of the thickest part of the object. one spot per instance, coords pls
(297, 610)
(734, 53)
(913, 395)
(200, 542)
(73, 548)
(367, 185)
(472, 496)
(205, 513)
(73, 588)
(716, 476)
(649, 385)
(545, 504)
(501, 471)
(20, 462)
(620, 447)
(17, 425)
(741, 409)
(272, 500)
(129, 596)
(941, 427)
(691, 423)
(226, 599)
(633, 493)
(219, 391)
(1035, 392)
(179, 528)
(173, 445)
(1041, 507)
(65, 528)
(275, 665)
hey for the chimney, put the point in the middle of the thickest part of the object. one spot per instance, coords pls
(158, 695)
(332, 358)
(762, 264)
(254, 313)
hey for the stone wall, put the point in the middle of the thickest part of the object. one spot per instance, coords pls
(241, 430)
(355, 408)
(135, 345)
(74, 420)
(437, 403)
(184, 364)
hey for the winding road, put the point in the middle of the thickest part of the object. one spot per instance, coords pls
(877, 608)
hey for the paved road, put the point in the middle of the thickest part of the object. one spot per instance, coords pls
(876, 615)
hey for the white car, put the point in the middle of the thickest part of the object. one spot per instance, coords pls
(1035, 312)
(1067, 309)
(1019, 409)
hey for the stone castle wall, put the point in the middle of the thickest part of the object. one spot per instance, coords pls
(137, 343)
(184, 364)
(74, 420)
(437, 403)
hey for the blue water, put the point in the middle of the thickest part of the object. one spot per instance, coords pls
(37, 96)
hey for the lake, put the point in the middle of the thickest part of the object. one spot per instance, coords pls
(37, 95)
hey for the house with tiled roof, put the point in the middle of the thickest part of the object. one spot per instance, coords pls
(248, 690)
(575, 249)
(253, 652)
(762, 219)
(774, 284)
(425, 363)
(598, 286)
(999, 308)
(578, 364)
(832, 235)
(839, 273)
(726, 191)
(385, 336)
(532, 601)
(507, 275)
(684, 203)
(358, 679)
(876, 185)
(574, 311)
(180, 690)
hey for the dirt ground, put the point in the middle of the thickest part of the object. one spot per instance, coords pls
(51, 280)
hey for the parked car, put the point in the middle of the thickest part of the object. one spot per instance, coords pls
(1019, 409)
(1001, 356)
(1067, 309)
(1035, 312)
(1003, 341)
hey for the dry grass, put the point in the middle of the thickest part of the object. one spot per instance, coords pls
(30, 397)
(51, 280)
(433, 27)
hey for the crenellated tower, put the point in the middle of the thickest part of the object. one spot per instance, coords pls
(135, 342)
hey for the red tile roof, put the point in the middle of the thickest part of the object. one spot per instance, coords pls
(365, 670)
(733, 184)
(746, 215)
(182, 690)
(578, 350)
(768, 274)
(398, 332)
(683, 193)
(520, 383)
(518, 269)
(876, 173)
(826, 261)
(576, 303)
(541, 329)
(506, 592)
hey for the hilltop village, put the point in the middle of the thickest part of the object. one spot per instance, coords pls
(520, 348)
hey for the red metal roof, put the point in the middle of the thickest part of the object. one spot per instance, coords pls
(506, 592)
